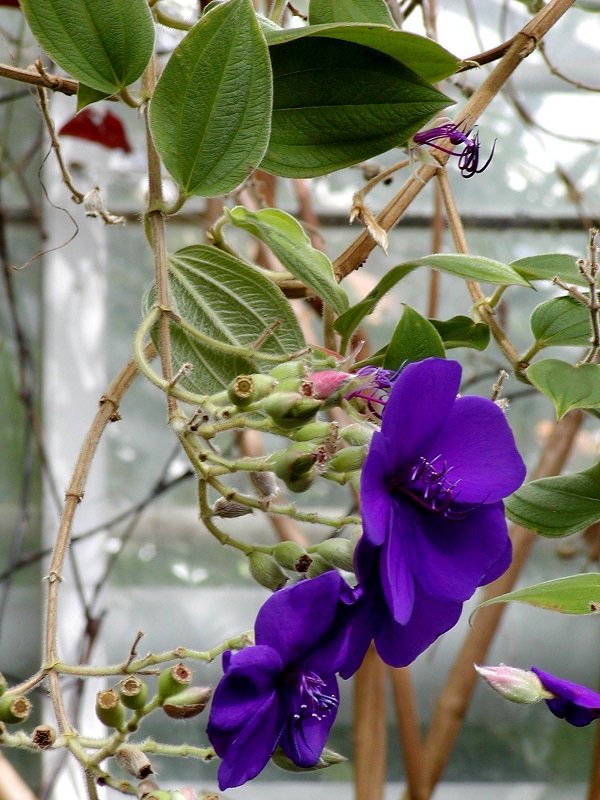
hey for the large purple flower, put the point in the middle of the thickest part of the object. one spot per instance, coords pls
(283, 690)
(574, 703)
(431, 494)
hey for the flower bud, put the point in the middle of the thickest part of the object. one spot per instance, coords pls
(14, 709)
(189, 703)
(303, 483)
(289, 369)
(357, 434)
(134, 761)
(329, 383)
(316, 432)
(295, 461)
(290, 410)
(148, 788)
(265, 571)
(287, 554)
(318, 566)
(299, 385)
(3, 684)
(328, 758)
(246, 389)
(173, 680)
(230, 509)
(339, 553)
(265, 484)
(516, 685)
(109, 709)
(348, 459)
(43, 736)
(133, 692)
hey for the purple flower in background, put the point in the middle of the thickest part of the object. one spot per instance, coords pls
(431, 497)
(375, 388)
(468, 157)
(283, 690)
(574, 703)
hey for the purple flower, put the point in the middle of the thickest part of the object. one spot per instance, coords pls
(468, 157)
(572, 702)
(431, 495)
(283, 690)
(375, 388)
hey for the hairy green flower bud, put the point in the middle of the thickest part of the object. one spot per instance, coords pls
(356, 434)
(3, 684)
(315, 432)
(246, 389)
(290, 410)
(109, 709)
(134, 761)
(318, 566)
(266, 571)
(289, 369)
(173, 680)
(133, 692)
(229, 509)
(348, 459)
(14, 709)
(189, 703)
(287, 554)
(265, 484)
(295, 461)
(339, 553)
(327, 759)
(303, 483)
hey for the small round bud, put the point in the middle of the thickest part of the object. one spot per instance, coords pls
(329, 384)
(43, 736)
(348, 459)
(134, 761)
(295, 461)
(356, 434)
(289, 369)
(265, 571)
(173, 680)
(265, 484)
(316, 432)
(147, 788)
(109, 709)
(230, 509)
(303, 483)
(133, 692)
(287, 554)
(290, 410)
(189, 703)
(3, 684)
(14, 709)
(327, 759)
(246, 389)
(318, 566)
(339, 553)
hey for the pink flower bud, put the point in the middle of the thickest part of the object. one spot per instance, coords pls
(328, 382)
(516, 685)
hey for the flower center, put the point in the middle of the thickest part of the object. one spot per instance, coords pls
(307, 698)
(428, 485)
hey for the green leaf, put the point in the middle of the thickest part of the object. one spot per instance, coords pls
(86, 96)
(419, 54)
(414, 339)
(567, 386)
(286, 238)
(462, 332)
(561, 321)
(105, 44)
(322, 12)
(210, 113)
(230, 302)
(337, 103)
(550, 266)
(577, 594)
(463, 266)
(557, 506)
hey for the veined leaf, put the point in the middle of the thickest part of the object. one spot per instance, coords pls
(105, 44)
(323, 12)
(577, 594)
(567, 386)
(336, 103)
(210, 113)
(286, 238)
(550, 266)
(461, 331)
(229, 302)
(557, 506)
(86, 96)
(414, 339)
(561, 321)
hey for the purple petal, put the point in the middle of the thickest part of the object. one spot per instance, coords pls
(417, 409)
(396, 578)
(303, 740)
(293, 620)
(375, 500)
(253, 747)
(399, 645)
(500, 567)
(576, 704)
(477, 442)
(449, 558)
(247, 685)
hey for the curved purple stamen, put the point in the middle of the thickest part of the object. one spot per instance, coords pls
(468, 157)
(308, 698)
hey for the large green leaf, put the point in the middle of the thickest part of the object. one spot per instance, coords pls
(461, 331)
(414, 339)
(210, 113)
(557, 506)
(229, 302)
(463, 266)
(105, 44)
(323, 12)
(549, 266)
(567, 386)
(421, 55)
(286, 238)
(577, 594)
(561, 321)
(337, 103)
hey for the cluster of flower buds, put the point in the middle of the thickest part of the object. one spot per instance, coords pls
(178, 699)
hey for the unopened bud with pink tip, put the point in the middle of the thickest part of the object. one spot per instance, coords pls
(514, 684)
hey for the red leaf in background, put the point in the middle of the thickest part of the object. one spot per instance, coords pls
(14, 3)
(96, 126)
